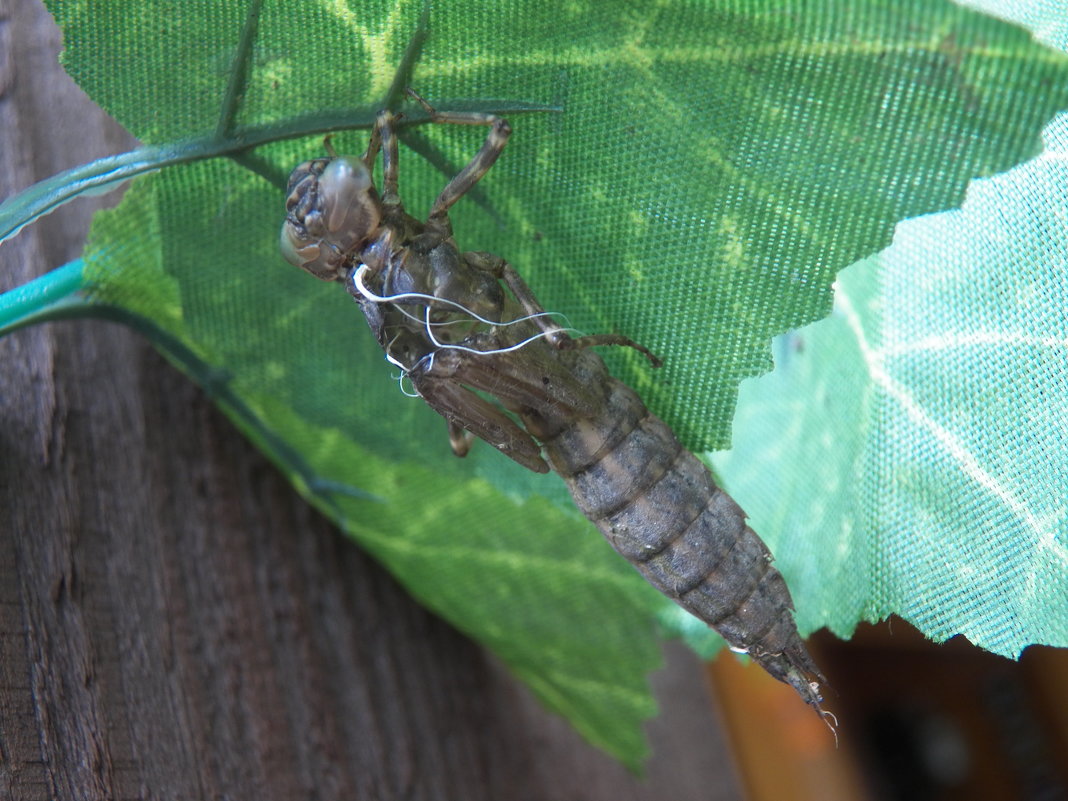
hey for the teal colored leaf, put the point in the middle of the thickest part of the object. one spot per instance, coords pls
(711, 169)
(908, 453)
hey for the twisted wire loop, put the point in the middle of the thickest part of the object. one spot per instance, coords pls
(428, 324)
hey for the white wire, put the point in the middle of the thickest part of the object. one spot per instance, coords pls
(357, 279)
(414, 393)
(444, 345)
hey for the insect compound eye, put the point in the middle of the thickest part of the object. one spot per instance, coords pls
(331, 209)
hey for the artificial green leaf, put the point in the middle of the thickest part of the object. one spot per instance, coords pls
(709, 172)
(908, 453)
(704, 156)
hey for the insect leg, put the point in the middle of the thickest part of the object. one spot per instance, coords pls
(503, 271)
(374, 144)
(560, 339)
(480, 164)
(383, 132)
(444, 391)
(592, 340)
(535, 378)
(459, 438)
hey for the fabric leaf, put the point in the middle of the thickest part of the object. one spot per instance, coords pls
(709, 171)
(919, 435)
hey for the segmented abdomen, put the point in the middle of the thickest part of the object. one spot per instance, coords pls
(660, 508)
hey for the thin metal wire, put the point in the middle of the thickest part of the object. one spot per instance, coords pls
(357, 279)
(429, 324)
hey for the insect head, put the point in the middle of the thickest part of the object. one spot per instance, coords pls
(331, 208)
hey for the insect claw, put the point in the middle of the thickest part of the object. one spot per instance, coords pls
(328, 145)
(418, 99)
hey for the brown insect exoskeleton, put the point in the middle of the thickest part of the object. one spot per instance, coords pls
(457, 321)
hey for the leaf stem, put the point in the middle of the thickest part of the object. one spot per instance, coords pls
(52, 296)
(235, 89)
(107, 173)
(403, 75)
(59, 295)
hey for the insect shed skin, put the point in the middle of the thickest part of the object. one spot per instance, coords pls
(445, 319)
(659, 507)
